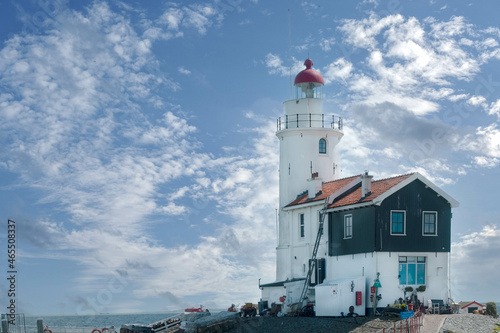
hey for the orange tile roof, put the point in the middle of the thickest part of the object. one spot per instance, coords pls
(351, 196)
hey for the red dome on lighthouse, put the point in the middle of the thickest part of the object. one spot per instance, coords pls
(309, 74)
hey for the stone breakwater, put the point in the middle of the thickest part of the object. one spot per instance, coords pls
(468, 323)
(310, 325)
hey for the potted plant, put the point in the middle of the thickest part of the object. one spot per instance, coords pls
(409, 289)
(421, 288)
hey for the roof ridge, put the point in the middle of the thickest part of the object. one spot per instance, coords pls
(336, 180)
(394, 177)
(378, 180)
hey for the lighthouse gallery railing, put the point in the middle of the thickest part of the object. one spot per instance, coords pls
(308, 120)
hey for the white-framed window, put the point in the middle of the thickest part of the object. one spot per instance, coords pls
(320, 216)
(347, 226)
(322, 146)
(411, 270)
(302, 226)
(398, 222)
(429, 223)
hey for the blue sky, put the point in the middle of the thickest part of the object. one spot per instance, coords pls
(138, 151)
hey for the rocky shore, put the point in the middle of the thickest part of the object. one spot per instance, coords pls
(310, 325)
(456, 323)
(230, 322)
(467, 323)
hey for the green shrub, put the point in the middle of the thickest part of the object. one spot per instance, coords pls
(491, 309)
(398, 306)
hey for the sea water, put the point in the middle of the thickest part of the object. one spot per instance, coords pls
(94, 321)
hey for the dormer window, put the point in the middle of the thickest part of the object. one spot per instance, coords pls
(322, 146)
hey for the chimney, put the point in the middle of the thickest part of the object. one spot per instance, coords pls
(314, 186)
(366, 184)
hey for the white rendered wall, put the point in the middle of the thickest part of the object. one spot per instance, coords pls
(273, 294)
(303, 106)
(293, 252)
(387, 264)
(299, 147)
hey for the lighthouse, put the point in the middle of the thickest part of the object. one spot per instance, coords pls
(347, 242)
(308, 138)
(309, 143)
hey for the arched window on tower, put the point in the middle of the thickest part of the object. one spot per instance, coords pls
(322, 146)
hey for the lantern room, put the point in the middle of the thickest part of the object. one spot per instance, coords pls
(309, 82)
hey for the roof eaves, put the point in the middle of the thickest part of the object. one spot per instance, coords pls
(353, 206)
(280, 283)
(304, 204)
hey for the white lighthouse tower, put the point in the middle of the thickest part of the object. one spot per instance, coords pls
(308, 157)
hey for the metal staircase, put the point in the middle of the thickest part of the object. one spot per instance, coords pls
(313, 261)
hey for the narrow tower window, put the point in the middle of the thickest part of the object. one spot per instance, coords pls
(348, 226)
(302, 226)
(322, 146)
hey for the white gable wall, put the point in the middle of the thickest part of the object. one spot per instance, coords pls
(273, 294)
(293, 252)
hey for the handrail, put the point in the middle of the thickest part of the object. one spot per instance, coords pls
(308, 120)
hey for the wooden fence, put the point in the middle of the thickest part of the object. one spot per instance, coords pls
(410, 325)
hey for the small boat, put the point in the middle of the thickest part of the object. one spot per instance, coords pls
(166, 325)
(189, 310)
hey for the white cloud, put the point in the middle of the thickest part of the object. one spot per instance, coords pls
(339, 69)
(199, 17)
(485, 161)
(455, 98)
(362, 33)
(172, 18)
(408, 61)
(275, 65)
(495, 108)
(437, 93)
(466, 41)
(489, 42)
(327, 43)
(176, 20)
(477, 101)
(472, 256)
(173, 209)
(454, 27)
(184, 71)
(485, 144)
